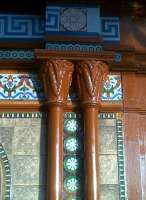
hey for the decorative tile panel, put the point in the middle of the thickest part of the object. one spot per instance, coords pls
(112, 169)
(73, 164)
(28, 166)
(110, 29)
(109, 192)
(20, 87)
(112, 89)
(21, 27)
(109, 169)
(73, 19)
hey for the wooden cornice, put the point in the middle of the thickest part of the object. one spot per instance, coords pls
(74, 38)
(43, 54)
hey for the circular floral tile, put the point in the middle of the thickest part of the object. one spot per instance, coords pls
(71, 163)
(71, 144)
(71, 184)
(71, 126)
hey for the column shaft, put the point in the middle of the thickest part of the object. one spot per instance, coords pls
(55, 151)
(91, 153)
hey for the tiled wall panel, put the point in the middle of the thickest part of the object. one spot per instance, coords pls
(24, 142)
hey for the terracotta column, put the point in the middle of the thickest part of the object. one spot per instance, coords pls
(57, 78)
(90, 77)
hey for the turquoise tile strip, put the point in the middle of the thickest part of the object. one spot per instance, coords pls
(120, 145)
(6, 174)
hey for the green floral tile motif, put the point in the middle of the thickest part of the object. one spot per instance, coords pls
(72, 184)
(72, 144)
(71, 126)
(71, 164)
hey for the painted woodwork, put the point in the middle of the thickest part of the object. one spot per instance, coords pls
(90, 77)
(57, 75)
(135, 109)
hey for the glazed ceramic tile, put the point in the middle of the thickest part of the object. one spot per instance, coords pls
(109, 192)
(26, 140)
(108, 169)
(26, 170)
(108, 140)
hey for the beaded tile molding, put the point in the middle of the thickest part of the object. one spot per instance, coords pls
(120, 149)
(16, 54)
(5, 175)
(23, 115)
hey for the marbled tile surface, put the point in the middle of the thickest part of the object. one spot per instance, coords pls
(108, 169)
(6, 136)
(109, 192)
(108, 140)
(28, 193)
(25, 143)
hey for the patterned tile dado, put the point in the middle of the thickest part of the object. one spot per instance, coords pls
(112, 168)
(108, 169)
(28, 142)
(26, 170)
(20, 87)
(28, 153)
(28, 193)
(109, 192)
(108, 139)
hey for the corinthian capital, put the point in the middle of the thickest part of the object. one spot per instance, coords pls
(57, 76)
(90, 77)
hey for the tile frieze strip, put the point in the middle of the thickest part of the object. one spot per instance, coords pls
(16, 54)
(28, 27)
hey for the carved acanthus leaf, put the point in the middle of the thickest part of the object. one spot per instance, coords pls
(91, 75)
(57, 75)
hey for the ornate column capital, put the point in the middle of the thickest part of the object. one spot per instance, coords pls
(90, 77)
(57, 76)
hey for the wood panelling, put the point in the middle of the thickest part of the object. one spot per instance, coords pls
(142, 141)
(134, 92)
(135, 134)
(132, 151)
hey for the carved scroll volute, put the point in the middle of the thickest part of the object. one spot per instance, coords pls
(90, 78)
(57, 77)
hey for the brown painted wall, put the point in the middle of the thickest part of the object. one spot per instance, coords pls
(135, 134)
(133, 32)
